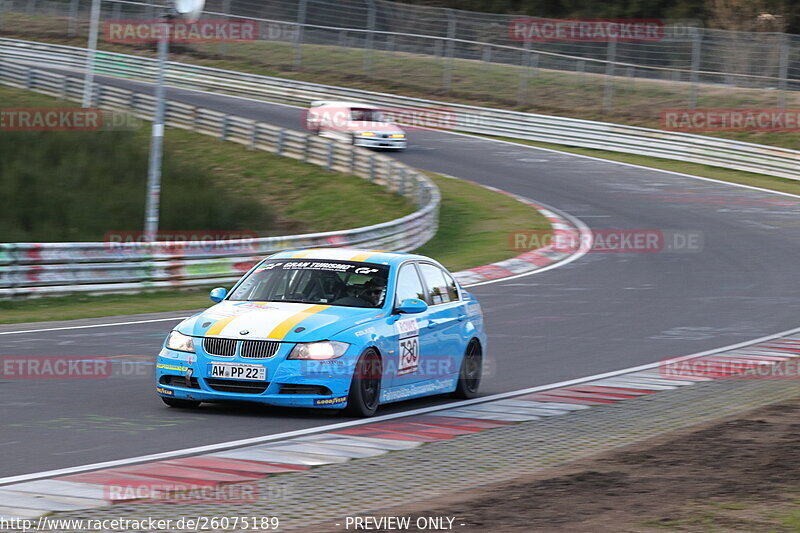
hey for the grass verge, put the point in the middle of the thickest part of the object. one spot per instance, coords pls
(473, 230)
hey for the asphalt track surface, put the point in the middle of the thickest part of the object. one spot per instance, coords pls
(603, 312)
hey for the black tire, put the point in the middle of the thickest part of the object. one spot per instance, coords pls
(365, 388)
(469, 379)
(180, 404)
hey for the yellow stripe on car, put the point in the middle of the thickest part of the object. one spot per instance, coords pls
(280, 331)
(219, 325)
(361, 256)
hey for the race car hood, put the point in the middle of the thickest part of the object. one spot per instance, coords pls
(289, 322)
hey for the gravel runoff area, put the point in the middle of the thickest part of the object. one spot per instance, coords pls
(516, 478)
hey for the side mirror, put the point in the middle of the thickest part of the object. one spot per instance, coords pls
(411, 306)
(218, 294)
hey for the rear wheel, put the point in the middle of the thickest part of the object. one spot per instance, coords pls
(469, 378)
(180, 404)
(365, 388)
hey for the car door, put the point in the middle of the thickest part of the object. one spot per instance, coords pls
(412, 340)
(445, 321)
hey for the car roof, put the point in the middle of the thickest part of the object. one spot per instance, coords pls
(360, 105)
(349, 254)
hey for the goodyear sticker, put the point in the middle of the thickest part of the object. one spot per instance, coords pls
(330, 401)
(165, 392)
(162, 366)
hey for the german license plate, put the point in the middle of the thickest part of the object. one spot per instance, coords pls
(238, 371)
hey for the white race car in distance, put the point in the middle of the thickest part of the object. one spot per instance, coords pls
(355, 123)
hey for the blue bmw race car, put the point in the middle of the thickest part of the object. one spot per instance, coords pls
(330, 328)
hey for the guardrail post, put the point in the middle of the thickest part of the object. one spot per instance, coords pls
(62, 95)
(697, 40)
(372, 167)
(254, 136)
(72, 25)
(29, 79)
(225, 125)
(280, 142)
(783, 70)
(116, 12)
(306, 146)
(608, 92)
(195, 118)
(401, 188)
(369, 45)
(31, 7)
(353, 154)
(486, 55)
(98, 96)
(329, 159)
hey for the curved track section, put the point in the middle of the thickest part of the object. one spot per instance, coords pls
(602, 312)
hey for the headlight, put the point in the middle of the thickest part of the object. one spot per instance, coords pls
(180, 342)
(367, 134)
(316, 351)
(398, 135)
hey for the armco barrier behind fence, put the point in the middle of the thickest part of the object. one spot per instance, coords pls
(28, 269)
(700, 149)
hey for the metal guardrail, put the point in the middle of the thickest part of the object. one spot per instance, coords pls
(760, 159)
(55, 268)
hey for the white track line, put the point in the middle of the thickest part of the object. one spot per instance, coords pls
(353, 423)
(94, 325)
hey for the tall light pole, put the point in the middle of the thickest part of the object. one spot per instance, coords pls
(188, 10)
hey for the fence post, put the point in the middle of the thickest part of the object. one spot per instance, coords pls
(447, 75)
(226, 10)
(300, 34)
(608, 92)
(72, 27)
(783, 70)
(306, 147)
(524, 68)
(369, 45)
(486, 55)
(697, 40)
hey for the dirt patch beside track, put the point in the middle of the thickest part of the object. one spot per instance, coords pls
(739, 474)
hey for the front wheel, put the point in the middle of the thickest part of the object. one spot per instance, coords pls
(469, 378)
(180, 404)
(365, 388)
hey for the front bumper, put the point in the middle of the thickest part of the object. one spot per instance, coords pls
(283, 377)
(380, 142)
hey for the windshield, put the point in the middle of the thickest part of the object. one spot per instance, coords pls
(317, 281)
(366, 115)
